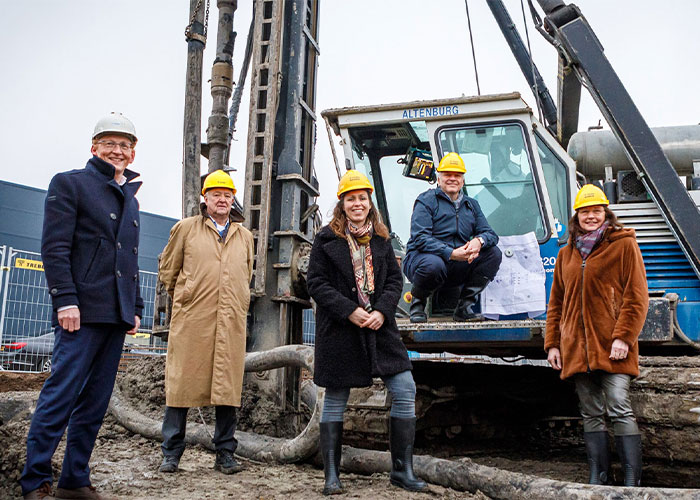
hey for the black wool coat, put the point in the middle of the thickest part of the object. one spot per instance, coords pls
(90, 242)
(347, 355)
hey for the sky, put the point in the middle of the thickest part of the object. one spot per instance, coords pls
(67, 63)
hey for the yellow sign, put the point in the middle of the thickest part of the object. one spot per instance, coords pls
(34, 265)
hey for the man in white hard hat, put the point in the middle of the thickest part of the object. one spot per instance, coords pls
(89, 247)
(206, 268)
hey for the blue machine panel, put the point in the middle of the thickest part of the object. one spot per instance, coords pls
(501, 334)
(668, 271)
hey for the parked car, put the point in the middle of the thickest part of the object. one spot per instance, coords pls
(28, 353)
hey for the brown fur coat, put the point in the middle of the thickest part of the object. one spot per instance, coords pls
(591, 306)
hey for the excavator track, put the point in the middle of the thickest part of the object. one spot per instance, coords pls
(479, 407)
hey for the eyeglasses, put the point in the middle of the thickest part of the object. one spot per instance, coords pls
(110, 146)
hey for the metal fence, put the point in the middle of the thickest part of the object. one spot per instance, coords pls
(308, 327)
(26, 335)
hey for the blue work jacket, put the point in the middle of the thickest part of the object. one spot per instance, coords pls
(90, 242)
(437, 227)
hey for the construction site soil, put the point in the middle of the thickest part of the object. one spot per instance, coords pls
(126, 465)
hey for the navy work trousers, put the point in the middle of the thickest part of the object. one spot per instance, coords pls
(76, 396)
(429, 272)
(174, 426)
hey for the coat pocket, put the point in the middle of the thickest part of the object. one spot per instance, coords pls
(187, 291)
(614, 307)
(93, 262)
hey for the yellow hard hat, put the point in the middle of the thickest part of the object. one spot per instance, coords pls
(590, 195)
(353, 180)
(452, 162)
(218, 179)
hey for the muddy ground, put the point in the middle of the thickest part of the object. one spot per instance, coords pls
(126, 465)
(10, 381)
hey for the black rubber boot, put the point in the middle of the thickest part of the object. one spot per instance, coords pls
(331, 450)
(401, 436)
(467, 299)
(598, 454)
(418, 301)
(629, 449)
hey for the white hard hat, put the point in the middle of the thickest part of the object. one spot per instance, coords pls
(115, 123)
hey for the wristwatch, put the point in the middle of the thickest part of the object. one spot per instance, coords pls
(481, 240)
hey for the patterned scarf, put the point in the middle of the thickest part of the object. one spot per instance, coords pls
(586, 241)
(358, 241)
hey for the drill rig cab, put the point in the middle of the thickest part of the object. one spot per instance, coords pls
(519, 174)
(523, 180)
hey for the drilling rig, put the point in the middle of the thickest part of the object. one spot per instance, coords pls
(524, 178)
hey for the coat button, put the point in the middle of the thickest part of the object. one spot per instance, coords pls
(136, 223)
(136, 250)
(54, 291)
(119, 246)
(136, 277)
(354, 289)
(113, 216)
(119, 274)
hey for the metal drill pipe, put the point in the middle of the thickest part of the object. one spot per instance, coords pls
(192, 135)
(221, 85)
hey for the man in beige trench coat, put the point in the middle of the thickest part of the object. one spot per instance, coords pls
(206, 268)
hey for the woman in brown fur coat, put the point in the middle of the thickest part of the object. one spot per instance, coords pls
(597, 308)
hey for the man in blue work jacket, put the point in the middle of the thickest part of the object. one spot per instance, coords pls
(89, 247)
(451, 244)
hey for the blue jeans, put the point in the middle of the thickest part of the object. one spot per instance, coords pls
(403, 398)
(76, 395)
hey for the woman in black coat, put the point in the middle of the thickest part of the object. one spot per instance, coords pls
(356, 283)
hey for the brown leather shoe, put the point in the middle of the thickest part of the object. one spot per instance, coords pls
(43, 492)
(84, 493)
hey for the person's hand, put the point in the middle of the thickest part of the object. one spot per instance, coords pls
(358, 317)
(554, 358)
(460, 254)
(619, 350)
(374, 321)
(69, 319)
(137, 325)
(473, 247)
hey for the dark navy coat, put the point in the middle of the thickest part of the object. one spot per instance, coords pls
(90, 243)
(437, 227)
(347, 355)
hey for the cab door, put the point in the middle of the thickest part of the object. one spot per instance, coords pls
(503, 172)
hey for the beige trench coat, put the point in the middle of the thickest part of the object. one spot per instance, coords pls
(209, 282)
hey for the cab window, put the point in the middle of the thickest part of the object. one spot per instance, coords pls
(499, 175)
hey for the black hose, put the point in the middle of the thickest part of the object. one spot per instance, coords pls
(679, 333)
